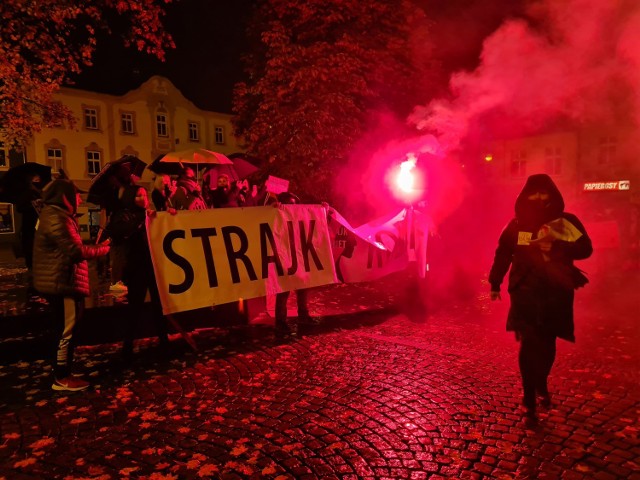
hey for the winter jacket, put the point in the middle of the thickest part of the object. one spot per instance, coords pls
(541, 286)
(187, 195)
(59, 256)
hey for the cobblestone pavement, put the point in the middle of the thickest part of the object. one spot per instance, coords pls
(372, 394)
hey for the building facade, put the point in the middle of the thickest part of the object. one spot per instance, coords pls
(147, 122)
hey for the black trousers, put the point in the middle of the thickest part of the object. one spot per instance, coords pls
(137, 285)
(537, 354)
(281, 305)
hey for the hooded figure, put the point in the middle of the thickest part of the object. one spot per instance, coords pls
(60, 270)
(188, 194)
(538, 248)
(59, 256)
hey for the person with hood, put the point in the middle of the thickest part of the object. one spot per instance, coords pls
(188, 194)
(60, 271)
(538, 248)
(139, 275)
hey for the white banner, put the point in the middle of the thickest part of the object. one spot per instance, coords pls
(209, 257)
(380, 247)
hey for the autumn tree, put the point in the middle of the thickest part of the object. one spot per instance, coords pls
(316, 70)
(44, 42)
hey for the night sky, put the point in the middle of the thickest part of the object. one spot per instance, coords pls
(210, 37)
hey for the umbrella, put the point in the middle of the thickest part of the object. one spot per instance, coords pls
(239, 170)
(16, 179)
(197, 156)
(166, 168)
(107, 178)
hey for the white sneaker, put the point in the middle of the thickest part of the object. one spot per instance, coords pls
(118, 287)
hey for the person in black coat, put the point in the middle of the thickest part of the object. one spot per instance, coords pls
(28, 205)
(139, 276)
(538, 248)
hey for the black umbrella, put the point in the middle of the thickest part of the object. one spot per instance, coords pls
(113, 175)
(165, 168)
(17, 179)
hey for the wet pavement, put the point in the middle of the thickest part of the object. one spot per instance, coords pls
(368, 393)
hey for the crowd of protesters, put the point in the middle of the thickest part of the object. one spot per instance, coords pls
(56, 255)
(537, 248)
(124, 209)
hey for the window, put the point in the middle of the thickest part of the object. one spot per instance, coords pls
(93, 162)
(127, 123)
(4, 157)
(553, 160)
(161, 125)
(219, 135)
(518, 164)
(608, 149)
(91, 118)
(55, 159)
(194, 132)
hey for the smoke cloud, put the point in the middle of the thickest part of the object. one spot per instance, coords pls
(575, 59)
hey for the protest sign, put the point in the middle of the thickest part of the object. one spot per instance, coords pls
(209, 257)
(276, 185)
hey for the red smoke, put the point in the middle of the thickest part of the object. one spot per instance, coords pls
(577, 59)
(364, 184)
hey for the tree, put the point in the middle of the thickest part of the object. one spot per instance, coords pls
(44, 42)
(317, 69)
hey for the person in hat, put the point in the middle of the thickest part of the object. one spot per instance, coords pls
(61, 273)
(542, 279)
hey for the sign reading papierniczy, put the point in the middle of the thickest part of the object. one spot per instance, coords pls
(599, 186)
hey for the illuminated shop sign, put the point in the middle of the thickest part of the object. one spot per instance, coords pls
(599, 186)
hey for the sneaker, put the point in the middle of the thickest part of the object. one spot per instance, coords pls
(70, 384)
(118, 287)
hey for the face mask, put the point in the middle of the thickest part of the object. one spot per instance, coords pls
(539, 204)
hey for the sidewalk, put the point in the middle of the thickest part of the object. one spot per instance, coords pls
(362, 396)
